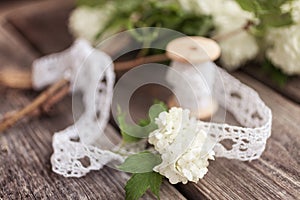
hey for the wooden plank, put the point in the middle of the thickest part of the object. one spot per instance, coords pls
(269, 177)
(290, 90)
(276, 175)
(7, 6)
(25, 150)
(44, 24)
(10, 55)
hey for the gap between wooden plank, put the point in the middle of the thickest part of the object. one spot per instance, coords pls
(26, 149)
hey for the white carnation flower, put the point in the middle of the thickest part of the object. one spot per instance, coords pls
(285, 49)
(185, 148)
(87, 22)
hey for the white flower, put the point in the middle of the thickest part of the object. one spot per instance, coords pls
(228, 16)
(203, 7)
(185, 148)
(169, 125)
(285, 50)
(87, 22)
(237, 50)
(294, 7)
(241, 47)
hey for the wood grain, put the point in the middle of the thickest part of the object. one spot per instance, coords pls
(25, 157)
(276, 175)
(25, 150)
(44, 24)
(291, 89)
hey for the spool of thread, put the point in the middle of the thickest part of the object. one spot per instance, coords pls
(193, 71)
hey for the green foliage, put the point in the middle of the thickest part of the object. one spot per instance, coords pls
(250, 6)
(276, 74)
(131, 133)
(268, 13)
(163, 104)
(91, 3)
(124, 126)
(140, 163)
(130, 14)
(138, 184)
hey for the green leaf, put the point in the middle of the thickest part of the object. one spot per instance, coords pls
(277, 20)
(268, 13)
(163, 104)
(144, 122)
(131, 133)
(124, 126)
(91, 3)
(248, 5)
(277, 76)
(140, 163)
(138, 184)
(155, 110)
(130, 14)
(153, 113)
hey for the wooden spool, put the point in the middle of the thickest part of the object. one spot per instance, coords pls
(194, 50)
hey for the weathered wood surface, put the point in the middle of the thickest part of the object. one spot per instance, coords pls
(274, 176)
(25, 150)
(291, 89)
(52, 34)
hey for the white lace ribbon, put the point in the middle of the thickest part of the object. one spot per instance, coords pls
(208, 81)
(91, 72)
(249, 110)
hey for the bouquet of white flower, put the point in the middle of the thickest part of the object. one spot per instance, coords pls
(181, 152)
(249, 28)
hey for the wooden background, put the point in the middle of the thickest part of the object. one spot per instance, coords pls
(30, 29)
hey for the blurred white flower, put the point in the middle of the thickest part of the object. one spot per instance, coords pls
(203, 7)
(239, 48)
(87, 22)
(228, 16)
(284, 52)
(184, 147)
(294, 7)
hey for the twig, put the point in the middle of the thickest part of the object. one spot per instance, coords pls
(125, 65)
(234, 32)
(14, 78)
(45, 107)
(43, 97)
(56, 98)
(59, 90)
(22, 80)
